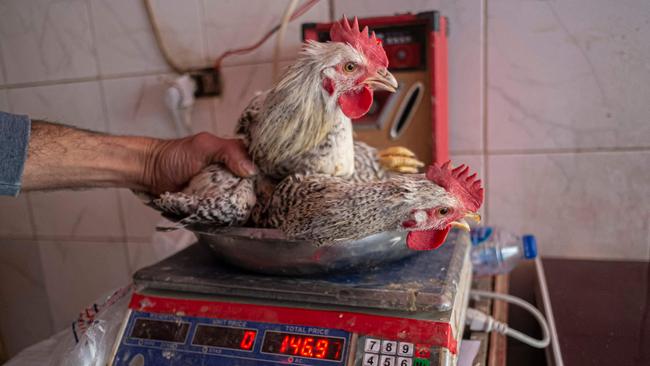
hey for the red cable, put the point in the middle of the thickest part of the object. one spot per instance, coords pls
(297, 13)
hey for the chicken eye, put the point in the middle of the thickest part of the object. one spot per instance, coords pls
(444, 211)
(349, 67)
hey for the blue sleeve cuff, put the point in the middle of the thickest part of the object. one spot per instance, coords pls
(14, 139)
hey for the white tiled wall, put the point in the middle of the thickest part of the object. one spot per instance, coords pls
(568, 84)
(78, 272)
(46, 40)
(548, 101)
(563, 75)
(24, 304)
(227, 23)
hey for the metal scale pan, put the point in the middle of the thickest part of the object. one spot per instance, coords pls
(426, 281)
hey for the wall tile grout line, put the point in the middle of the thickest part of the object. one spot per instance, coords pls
(484, 102)
(594, 150)
(45, 288)
(93, 37)
(84, 79)
(3, 66)
(200, 8)
(125, 75)
(80, 239)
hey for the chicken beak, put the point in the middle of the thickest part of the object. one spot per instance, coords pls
(461, 224)
(382, 80)
(474, 216)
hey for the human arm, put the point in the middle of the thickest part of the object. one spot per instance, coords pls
(61, 157)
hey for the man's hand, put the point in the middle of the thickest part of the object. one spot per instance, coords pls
(171, 164)
(61, 157)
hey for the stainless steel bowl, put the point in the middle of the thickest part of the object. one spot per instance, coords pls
(267, 251)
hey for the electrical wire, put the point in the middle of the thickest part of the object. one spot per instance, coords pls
(240, 51)
(481, 321)
(159, 39)
(279, 39)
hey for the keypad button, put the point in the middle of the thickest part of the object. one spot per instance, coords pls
(388, 347)
(403, 361)
(372, 345)
(405, 349)
(370, 360)
(387, 361)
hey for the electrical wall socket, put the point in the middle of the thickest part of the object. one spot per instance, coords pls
(208, 82)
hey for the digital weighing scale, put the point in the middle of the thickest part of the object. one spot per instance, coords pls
(192, 309)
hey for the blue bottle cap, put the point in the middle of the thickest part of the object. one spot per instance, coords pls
(480, 234)
(530, 246)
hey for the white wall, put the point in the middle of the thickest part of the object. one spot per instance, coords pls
(548, 100)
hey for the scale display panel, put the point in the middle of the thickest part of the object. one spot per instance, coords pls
(164, 339)
(224, 337)
(282, 343)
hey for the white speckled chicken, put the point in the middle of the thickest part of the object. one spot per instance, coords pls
(301, 126)
(327, 209)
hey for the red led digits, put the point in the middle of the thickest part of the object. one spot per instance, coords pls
(327, 348)
(248, 340)
(337, 355)
(285, 344)
(307, 349)
(321, 348)
(295, 343)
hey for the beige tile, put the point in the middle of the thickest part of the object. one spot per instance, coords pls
(203, 115)
(159, 247)
(141, 254)
(4, 101)
(579, 205)
(135, 106)
(14, 217)
(465, 45)
(24, 305)
(79, 273)
(139, 220)
(92, 214)
(46, 40)
(568, 74)
(229, 25)
(3, 78)
(241, 83)
(76, 104)
(125, 41)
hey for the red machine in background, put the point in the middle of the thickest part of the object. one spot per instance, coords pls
(416, 115)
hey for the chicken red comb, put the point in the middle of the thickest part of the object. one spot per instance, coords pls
(369, 45)
(467, 188)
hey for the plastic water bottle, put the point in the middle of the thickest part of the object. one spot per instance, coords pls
(496, 251)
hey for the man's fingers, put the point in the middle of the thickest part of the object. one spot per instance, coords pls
(236, 158)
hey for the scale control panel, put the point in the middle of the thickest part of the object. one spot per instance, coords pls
(387, 352)
(160, 339)
(170, 332)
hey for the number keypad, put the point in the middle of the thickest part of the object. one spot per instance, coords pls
(388, 347)
(386, 352)
(372, 345)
